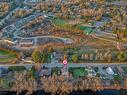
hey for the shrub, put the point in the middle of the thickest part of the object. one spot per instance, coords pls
(15, 68)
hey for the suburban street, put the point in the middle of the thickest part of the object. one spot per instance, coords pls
(69, 65)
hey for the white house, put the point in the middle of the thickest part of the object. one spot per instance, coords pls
(109, 71)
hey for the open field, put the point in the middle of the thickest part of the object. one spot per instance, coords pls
(6, 56)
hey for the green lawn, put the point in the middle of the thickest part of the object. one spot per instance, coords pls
(87, 30)
(62, 22)
(2, 52)
(9, 59)
(6, 56)
(59, 22)
(78, 72)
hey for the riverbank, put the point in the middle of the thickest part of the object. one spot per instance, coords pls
(88, 92)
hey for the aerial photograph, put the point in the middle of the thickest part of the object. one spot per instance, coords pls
(63, 47)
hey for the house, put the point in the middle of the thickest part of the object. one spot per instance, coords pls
(3, 72)
(109, 71)
(28, 60)
(26, 42)
(44, 72)
(58, 56)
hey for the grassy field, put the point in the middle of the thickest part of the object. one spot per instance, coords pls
(6, 56)
(78, 72)
(2, 52)
(87, 30)
(62, 22)
(59, 22)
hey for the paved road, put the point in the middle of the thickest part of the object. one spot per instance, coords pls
(69, 65)
(65, 40)
(118, 3)
(8, 16)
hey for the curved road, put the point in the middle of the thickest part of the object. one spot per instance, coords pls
(65, 40)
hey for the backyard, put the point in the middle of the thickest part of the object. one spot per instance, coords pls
(78, 72)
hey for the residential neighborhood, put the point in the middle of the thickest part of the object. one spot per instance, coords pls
(63, 47)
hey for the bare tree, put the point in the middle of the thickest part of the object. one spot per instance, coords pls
(92, 83)
(24, 82)
(58, 85)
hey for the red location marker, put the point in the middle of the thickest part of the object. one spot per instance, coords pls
(65, 62)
